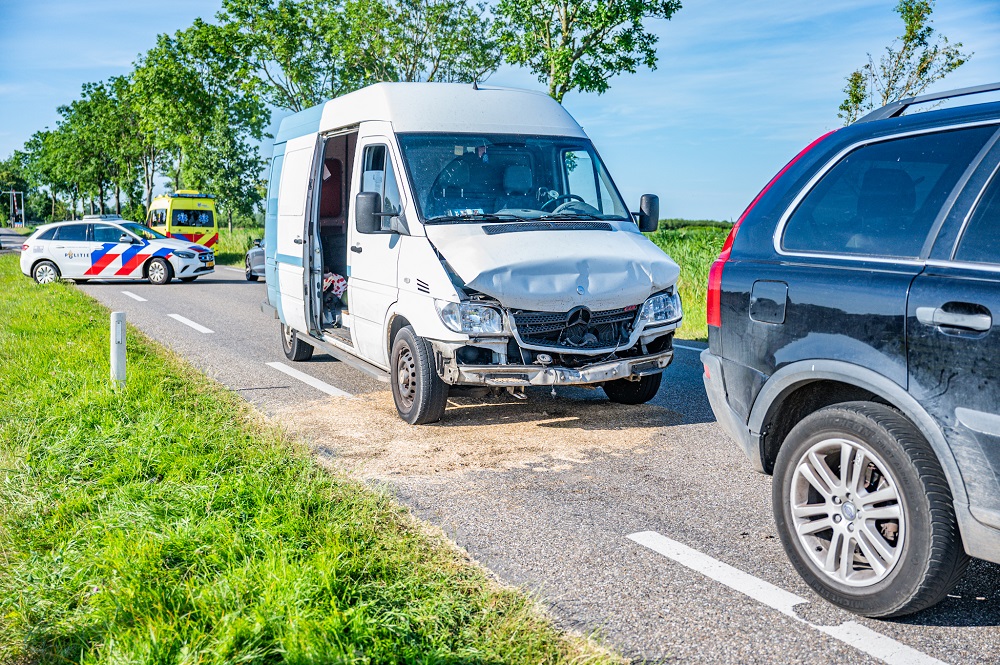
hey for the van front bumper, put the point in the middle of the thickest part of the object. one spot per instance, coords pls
(538, 375)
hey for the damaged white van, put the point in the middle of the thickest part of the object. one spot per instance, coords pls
(439, 235)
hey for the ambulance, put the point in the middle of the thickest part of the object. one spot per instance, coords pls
(186, 215)
(443, 236)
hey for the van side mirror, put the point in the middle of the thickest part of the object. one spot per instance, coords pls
(367, 212)
(649, 213)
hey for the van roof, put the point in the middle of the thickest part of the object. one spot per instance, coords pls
(437, 107)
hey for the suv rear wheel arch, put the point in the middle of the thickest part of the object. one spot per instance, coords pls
(847, 378)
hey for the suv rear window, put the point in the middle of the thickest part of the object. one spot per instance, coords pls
(981, 240)
(882, 198)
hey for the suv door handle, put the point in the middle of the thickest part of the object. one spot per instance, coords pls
(356, 249)
(937, 316)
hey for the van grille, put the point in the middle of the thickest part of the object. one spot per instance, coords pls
(578, 328)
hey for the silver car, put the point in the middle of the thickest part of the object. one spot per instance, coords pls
(255, 261)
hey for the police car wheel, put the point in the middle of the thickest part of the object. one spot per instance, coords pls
(158, 271)
(419, 393)
(45, 272)
(294, 348)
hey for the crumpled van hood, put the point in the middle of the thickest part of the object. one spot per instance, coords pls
(554, 271)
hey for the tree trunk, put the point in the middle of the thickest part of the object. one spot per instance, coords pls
(229, 213)
(118, 199)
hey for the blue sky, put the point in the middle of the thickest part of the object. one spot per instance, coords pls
(740, 88)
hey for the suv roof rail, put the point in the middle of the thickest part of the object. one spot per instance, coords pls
(896, 109)
(105, 217)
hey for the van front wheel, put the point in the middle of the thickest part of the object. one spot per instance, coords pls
(624, 391)
(419, 393)
(294, 348)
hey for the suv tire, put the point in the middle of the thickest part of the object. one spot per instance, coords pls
(250, 276)
(902, 563)
(623, 391)
(419, 393)
(294, 348)
(45, 272)
(158, 271)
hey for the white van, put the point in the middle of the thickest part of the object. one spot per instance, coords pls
(439, 235)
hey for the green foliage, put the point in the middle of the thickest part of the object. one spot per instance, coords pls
(579, 44)
(296, 54)
(232, 247)
(163, 524)
(694, 247)
(915, 60)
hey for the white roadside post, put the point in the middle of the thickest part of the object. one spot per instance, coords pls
(118, 349)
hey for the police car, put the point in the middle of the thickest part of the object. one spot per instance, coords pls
(108, 247)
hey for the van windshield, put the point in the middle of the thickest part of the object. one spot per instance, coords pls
(497, 177)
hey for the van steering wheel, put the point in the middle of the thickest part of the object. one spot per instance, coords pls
(555, 202)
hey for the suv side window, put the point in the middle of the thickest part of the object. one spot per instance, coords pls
(377, 176)
(106, 233)
(980, 241)
(72, 233)
(882, 198)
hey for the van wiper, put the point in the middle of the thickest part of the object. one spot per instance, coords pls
(575, 215)
(475, 218)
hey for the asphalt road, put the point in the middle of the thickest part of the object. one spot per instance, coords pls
(706, 579)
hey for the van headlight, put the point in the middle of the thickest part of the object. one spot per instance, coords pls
(184, 254)
(470, 318)
(661, 308)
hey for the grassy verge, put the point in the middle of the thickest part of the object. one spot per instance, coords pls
(694, 248)
(164, 523)
(232, 247)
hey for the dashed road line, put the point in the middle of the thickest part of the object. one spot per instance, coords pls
(134, 297)
(699, 349)
(242, 272)
(852, 633)
(188, 322)
(309, 380)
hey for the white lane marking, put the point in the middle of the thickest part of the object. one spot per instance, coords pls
(242, 272)
(309, 380)
(134, 297)
(852, 633)
(689, 348)
(188, 322)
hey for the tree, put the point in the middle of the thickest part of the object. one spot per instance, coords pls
(293, 54)
(579, 44)
(914, 61)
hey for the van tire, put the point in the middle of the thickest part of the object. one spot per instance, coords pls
(623, 391)
(294, 348)
(419, 393)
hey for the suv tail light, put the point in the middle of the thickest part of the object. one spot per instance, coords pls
(714, 305)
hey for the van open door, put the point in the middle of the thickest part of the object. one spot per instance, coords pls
(293, 244)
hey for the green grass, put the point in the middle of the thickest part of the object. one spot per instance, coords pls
(232, 247)
(694, 247)
(167, 523)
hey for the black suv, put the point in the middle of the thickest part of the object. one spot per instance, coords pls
(853, 352)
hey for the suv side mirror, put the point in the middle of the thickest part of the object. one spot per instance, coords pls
(368, 212)
(257, 242)
(649, 213)
(126, 238)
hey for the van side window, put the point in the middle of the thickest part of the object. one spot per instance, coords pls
(980, 241)
(377, 176)
(882, 198)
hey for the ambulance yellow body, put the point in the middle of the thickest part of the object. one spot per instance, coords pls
(185, 215)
